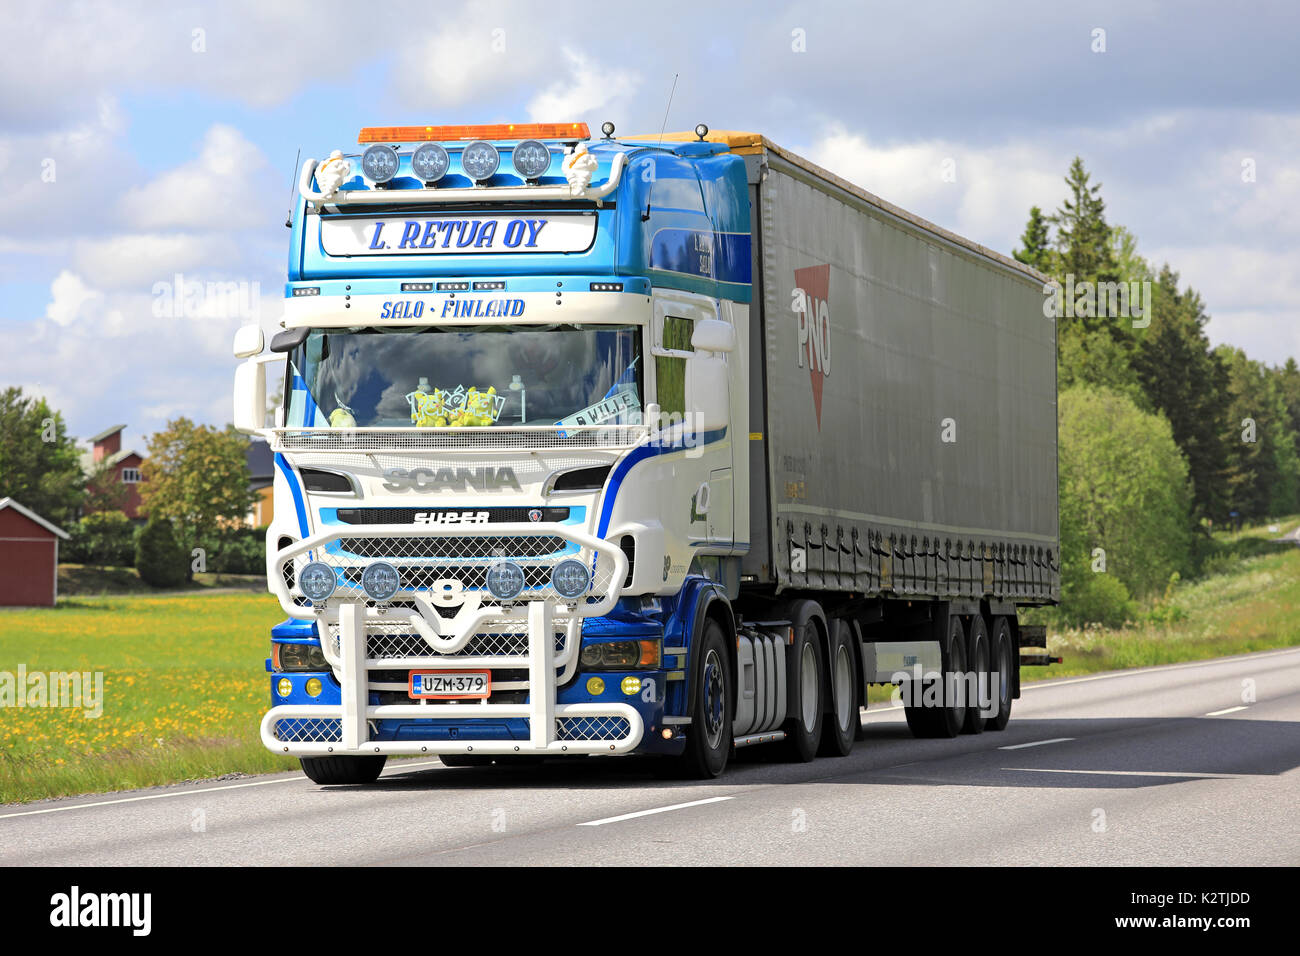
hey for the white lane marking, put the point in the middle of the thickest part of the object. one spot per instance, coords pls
(182, 793)
(646, 813)
(1139, 671)
(1226, 710)
(1129, 773)
(1037, 743)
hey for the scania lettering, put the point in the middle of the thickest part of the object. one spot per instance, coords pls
(565, 465)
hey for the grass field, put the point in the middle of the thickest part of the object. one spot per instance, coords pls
(184, 686)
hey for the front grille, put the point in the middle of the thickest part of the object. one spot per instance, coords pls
(498, 515)
(309, 730)
(387, 646)
(447, 546)
(484, 439)
(591, 728)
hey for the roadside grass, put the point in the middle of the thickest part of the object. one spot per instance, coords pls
(183, 692)
(86, 579)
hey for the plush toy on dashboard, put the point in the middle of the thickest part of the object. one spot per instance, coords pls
(478, 408)
(428, 405)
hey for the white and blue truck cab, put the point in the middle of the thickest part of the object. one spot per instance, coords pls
(548, 481)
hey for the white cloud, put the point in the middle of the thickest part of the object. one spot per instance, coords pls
(211, 189)
(588, 87)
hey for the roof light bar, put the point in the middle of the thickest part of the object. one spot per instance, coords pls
(418, 134)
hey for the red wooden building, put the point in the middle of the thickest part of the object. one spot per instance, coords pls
(29, 556)
(120, 467)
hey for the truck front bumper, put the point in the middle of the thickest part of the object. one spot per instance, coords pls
(539, 726)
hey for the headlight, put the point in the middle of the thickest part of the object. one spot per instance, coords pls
(531, 159)
(298, 657)
(380, 581)
(570, 578)
(317, 581)
(480, 160)
(430, 162)
(379, 163)
(505, 580)
(620, 655)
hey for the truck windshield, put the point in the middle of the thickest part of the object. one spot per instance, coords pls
(458, 377)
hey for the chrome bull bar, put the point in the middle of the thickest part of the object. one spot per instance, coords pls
(355, 715)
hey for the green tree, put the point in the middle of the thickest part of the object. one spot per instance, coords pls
(40, 465)
(1187, 382)
(1123, 486)
(1036, 243)
(1083, 238)
(1261, 478)
(197, 478)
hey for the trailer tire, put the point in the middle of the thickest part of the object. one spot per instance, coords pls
(845, 720)
(978, 657)
(947, 719)
(1003, 660)
(803, 729)
(708, 742)
(334, 771)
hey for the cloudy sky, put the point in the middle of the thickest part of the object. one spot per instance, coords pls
(142, 141)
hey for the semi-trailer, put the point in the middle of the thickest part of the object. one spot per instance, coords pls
(666, 445)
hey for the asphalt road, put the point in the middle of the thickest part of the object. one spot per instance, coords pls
(1168, 765)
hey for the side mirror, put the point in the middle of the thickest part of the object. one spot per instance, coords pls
(707, 401)
(248, 341)
(713, 335)
(250, 396)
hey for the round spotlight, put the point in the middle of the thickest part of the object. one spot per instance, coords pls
(284, 687)
(701, 131)
(505, 580)
(480, 160)
(313, 687)
(379, 163)
(430, 162)
(317, 581)
(608, 129)
(531, 159)
(380, 581)
(570, 578)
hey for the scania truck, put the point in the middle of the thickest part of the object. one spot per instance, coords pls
(664, 445)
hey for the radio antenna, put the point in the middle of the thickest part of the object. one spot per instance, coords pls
(663, 126)
(293, 182)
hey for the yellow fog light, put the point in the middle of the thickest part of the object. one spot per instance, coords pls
(595, 686)
(284, 687)
(313, 687)
(631, 685)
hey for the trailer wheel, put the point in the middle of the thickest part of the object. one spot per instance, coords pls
(945, 720)
(841, 730)
(978, 656)
(1003, 664)
(803, 730)
(342, 770)
(708, 742)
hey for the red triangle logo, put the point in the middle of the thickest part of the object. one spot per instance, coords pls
(815, 281)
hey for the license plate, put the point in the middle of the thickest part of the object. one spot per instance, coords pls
(447, 685)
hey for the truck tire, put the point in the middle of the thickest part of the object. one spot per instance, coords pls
(1003, 663)
(947, 719)
(708, 742)
(978, 657)
(342, 770)
(843, 719)
(803, 729)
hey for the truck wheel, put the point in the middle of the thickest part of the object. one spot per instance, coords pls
(803, 730)
(708, 743)
(343, 770)
(945, 720)
(977, 654)
(841, 730)
(1003, 662)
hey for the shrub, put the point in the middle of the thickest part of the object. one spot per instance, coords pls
(158, 558)
(1100, 599)
(102, 538)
